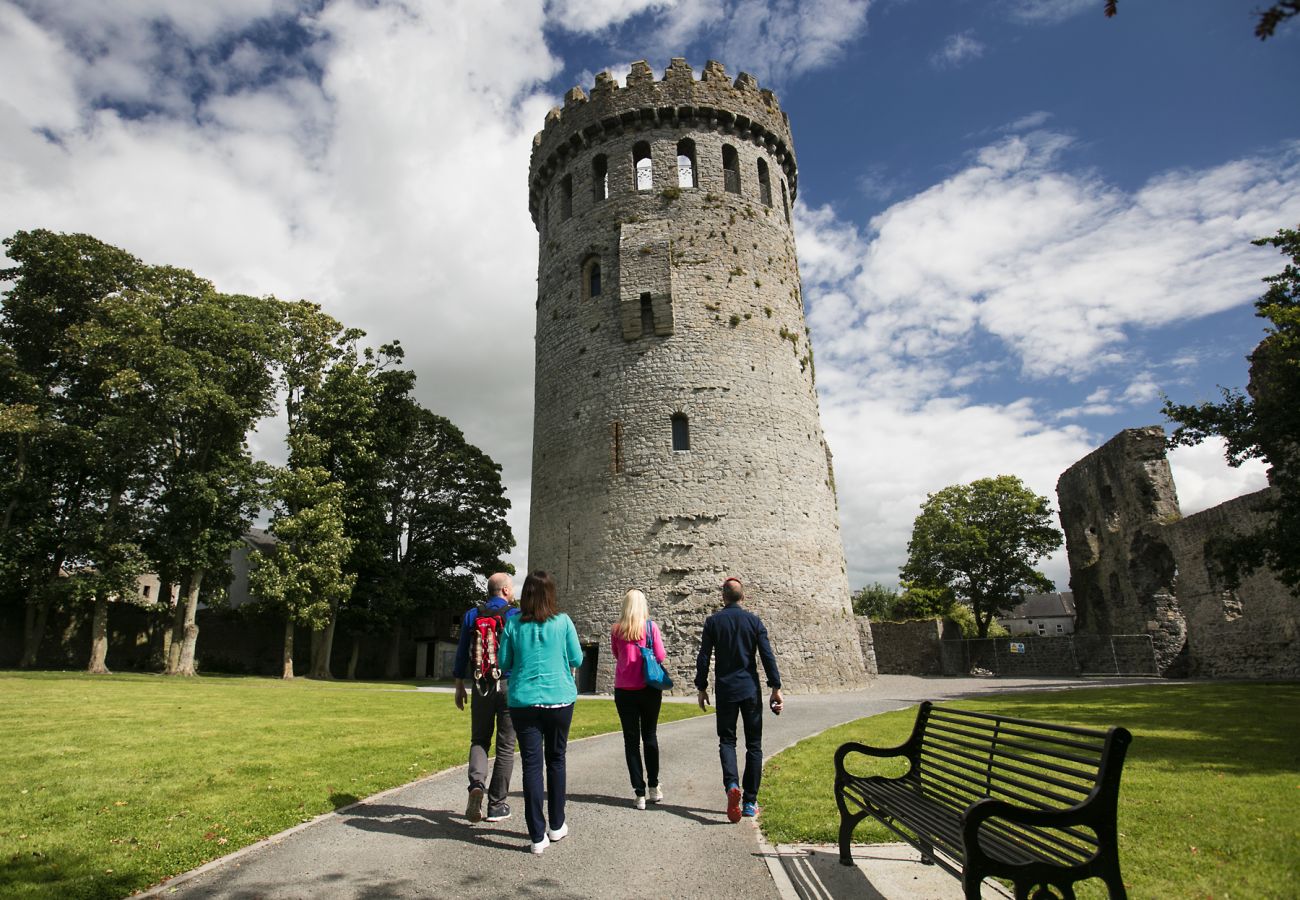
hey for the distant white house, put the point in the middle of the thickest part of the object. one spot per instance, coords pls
(1046, 615)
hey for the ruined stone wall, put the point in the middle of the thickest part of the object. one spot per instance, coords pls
(1250, 632)
(1114, 506)
(697, 315)
(908, 648)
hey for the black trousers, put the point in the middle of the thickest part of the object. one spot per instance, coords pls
(638, 712)
(543, 738)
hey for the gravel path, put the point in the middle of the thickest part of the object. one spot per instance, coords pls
(414, 841)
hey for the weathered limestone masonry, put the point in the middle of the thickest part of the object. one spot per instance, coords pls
(1138, 567)
(1252, 632)
(677, 438)
(1114, 505)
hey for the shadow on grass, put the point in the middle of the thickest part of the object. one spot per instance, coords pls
(63, 874)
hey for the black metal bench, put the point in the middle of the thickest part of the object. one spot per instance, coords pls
(1030, 802)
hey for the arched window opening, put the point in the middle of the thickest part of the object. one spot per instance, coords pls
(591, 278)
(645, 178)
(647, 316)
(764, 183)
(686, 164)
(681, 432)
(599, 178)
(785, 201)
(566, 197)
(730, 169)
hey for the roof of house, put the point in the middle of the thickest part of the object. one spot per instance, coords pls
(1042, 606)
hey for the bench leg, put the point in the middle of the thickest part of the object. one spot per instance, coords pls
(847, 824)
(970, 884)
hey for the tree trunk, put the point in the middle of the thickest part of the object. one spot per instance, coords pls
(190, 633)
(320, 664)
(99, 636)
(288, 649)
(393, 670)
(20, 471)
(37, 614)
(352, 660)
(175, 637)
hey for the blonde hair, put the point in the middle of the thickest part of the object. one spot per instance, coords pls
(631, 625)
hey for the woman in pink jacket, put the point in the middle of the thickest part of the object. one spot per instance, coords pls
(638, 705)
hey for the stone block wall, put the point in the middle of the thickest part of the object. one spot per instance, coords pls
(1137, 567)
(1250, 632)
(908, 648)
(1114, 506)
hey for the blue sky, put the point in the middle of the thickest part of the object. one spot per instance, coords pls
(1018, 222)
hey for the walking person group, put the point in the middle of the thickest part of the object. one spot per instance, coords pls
(523, 663)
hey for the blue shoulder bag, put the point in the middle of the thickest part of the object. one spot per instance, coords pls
(655, 675)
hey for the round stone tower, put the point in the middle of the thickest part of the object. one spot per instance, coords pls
(677, 439)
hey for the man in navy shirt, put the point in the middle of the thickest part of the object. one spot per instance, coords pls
(738, 638)
(488, 711)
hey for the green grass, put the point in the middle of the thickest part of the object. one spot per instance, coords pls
(1209, 798)
(113, 783)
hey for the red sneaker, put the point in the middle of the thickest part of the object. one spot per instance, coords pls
(733, 804)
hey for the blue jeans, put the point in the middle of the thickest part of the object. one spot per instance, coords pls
(750, 711)
(543, 733)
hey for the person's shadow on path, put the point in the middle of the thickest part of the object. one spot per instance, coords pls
(695, 814)
(432, 824)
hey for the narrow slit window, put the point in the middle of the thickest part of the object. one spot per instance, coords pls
(686, 164)
(647, 315)
(644, 166)
(764, 183)
(599, 178)
(785, 201)
(566, 197)
(681, 432)
(591, 278)
(730, 169)
(616, 447)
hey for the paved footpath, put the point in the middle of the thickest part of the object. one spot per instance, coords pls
(413, 841)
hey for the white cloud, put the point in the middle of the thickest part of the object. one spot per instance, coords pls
(1203, 479)
(1059, 268)
(957, 50)
(1049, 12)
(595, 15)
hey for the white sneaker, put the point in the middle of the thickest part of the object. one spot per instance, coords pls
(540, 847)
(639, 800)
(656, 795)
(558, 834)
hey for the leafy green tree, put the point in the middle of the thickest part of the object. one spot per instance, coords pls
(981, 541)
(1263, 423)
(304, 575)
(875, 601)
(1265, 26)
(922, 601)
(61, 418)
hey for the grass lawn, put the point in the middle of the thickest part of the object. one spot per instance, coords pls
(112, 783)
(1209, 799)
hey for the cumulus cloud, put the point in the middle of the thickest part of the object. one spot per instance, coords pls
(1015, 260)
(958, 50)
(1049, 12)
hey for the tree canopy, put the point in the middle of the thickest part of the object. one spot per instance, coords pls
(1262, 423)
(1265, 26)
(981, 541)
(127, 394)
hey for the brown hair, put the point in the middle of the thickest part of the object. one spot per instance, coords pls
(537, 599)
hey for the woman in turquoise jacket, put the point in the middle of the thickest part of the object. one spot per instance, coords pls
(540, 650)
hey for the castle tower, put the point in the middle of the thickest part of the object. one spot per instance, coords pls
(677, 439)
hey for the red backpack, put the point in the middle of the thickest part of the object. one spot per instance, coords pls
(485, 641)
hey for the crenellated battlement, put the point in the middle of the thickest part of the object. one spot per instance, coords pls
(679, 99)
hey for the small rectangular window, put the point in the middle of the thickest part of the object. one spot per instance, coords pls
(681, 432)
(616, 447)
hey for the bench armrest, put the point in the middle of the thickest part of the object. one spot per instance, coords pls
(983, 810)
(855, 747)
